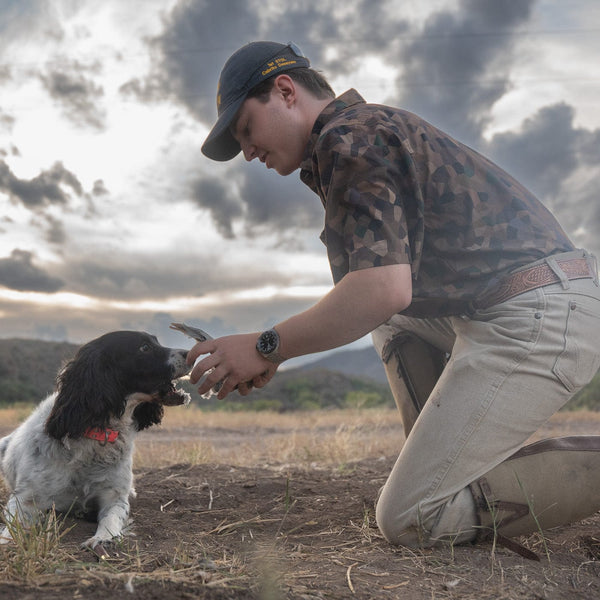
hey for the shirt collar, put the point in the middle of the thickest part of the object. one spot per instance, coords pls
(342, 102)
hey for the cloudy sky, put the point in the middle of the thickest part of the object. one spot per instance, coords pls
(110, 217)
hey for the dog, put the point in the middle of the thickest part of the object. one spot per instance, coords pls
(75, 451)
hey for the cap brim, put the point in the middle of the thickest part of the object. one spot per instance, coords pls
(220, 144)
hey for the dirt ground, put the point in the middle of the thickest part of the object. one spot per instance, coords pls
(216, 531)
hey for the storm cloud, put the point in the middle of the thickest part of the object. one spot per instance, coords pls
(6, 121)
(545, 151)
(189, 54)
(17, 272)
(560, 163)
(224, 207)
(459, 65)
(46, 188)
(257, 201)
(79, 96)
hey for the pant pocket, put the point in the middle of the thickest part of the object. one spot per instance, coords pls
(579, 360)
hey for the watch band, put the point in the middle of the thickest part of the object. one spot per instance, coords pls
(267, 346)
(274, 357)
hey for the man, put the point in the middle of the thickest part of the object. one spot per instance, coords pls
(485, 315)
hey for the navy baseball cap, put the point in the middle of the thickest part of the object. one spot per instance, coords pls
(245, 69)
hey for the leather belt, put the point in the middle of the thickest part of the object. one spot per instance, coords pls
(534, 277)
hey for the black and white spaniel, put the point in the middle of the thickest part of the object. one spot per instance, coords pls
(75, 450)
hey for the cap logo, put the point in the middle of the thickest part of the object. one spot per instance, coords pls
(219, 94)
(273, 65)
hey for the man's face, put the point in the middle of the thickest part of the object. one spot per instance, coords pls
(273, 132)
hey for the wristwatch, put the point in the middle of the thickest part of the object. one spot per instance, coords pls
(267, 346)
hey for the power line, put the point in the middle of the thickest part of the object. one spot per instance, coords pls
(183, 50)
(397, 84)
(466, 82)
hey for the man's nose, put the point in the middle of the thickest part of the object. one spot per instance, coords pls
(249, 151)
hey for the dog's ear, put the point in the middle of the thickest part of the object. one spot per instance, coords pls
(147, 414)
(88, 394)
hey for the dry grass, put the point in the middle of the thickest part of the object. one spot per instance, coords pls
(307, 439)
(12, 416)
(36, 550)
(295, 550)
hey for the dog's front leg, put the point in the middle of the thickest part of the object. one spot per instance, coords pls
(112, 518)
(18, 512)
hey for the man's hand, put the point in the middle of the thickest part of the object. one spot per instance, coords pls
(359, 303)
(234, 360)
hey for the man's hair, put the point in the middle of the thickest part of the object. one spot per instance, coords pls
(309, 79)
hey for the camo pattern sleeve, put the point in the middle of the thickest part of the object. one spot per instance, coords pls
(397, 190)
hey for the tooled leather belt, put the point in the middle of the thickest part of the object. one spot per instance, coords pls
(534, 277)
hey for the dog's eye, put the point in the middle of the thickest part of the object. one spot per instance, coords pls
(145, 348)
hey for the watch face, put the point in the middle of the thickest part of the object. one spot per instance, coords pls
(268, 342)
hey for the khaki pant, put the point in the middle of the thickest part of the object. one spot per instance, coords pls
(511, 367)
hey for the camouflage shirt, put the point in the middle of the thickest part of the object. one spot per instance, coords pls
(397, 190)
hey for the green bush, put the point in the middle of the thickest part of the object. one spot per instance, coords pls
(13, 391)
(263, 404)
(360, 399)
(587, 398)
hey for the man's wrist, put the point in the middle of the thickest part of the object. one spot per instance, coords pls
(267, 345)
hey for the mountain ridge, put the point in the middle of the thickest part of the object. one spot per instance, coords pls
(362, 363)
(28, 370)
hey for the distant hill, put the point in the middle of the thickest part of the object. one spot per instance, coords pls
(299, 389)
(367, 365)
(28, 368)
(354, 363)
(28, 371)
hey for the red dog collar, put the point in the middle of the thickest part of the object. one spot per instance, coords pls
(101, 435)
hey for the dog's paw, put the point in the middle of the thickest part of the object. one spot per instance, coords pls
(5, 537)
(103, 549)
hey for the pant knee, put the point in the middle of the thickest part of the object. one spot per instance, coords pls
(427, 524)
(398, 525)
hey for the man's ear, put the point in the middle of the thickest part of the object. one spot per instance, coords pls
(286, 86)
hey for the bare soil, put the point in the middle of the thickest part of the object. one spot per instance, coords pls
(219, 531)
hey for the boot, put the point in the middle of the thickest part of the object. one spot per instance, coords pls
(545, 484)
(413, 367)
